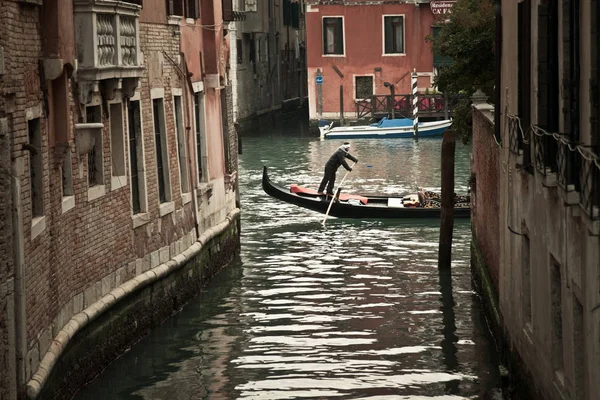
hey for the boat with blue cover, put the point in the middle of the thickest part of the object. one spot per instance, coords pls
(401, 128)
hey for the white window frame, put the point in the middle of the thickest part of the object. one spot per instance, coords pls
(98, 190)
(68, 199)
(383, 53)
(323, 36)
(199, 90)
(178, 122)
(168, 206)
(38, 223)
(143, 217)
(354, 85)
(118, 181)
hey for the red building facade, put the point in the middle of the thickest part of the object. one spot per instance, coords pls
(362, 45)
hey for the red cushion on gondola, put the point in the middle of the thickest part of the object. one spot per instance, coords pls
(294, 188)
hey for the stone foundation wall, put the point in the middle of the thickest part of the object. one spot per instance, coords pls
(107, 331)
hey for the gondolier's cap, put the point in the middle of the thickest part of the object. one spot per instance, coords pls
(346, 146)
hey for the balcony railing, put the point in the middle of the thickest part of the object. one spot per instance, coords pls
(515, 135)
(107, 39)
(576, 166)
(429, 105)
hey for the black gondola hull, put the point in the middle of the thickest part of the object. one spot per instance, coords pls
(375, 208)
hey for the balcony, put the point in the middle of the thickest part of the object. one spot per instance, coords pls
(576, 167)
(107, 41)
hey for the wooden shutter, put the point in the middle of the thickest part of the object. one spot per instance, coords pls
(227, 10)
(543, 45)
(595, 73)
(566, 32)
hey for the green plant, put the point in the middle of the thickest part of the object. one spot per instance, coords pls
(467, 39)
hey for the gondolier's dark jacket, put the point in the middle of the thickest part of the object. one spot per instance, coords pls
(339, 158)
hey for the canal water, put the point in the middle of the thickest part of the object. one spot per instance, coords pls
(353, 310)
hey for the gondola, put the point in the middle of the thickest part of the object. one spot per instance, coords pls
(419, 205)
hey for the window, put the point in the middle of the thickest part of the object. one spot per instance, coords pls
(117, 146)
(595, 74)
(162, 158)
(225, 131)
(95, 161)
(291, 14)
(333, 36)
(181, 145)
(524, 76)
(192, 8)
(556, 322)
(578, 349)
(526, 277)
(240, 54)
(175, 7)
(363, 86)
(36, 171)
(393, 31)
(548, 79)
(68, 201)
(249, 38)
(199, 122)
(136, 158)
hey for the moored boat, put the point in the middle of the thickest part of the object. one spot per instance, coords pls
(386, 128)
(418, 205)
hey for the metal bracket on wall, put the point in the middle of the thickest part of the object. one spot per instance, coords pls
(338, 71)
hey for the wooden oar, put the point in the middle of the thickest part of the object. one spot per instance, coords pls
(336, 194)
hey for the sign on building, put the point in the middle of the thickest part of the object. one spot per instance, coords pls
(319, 80)
(441, 7)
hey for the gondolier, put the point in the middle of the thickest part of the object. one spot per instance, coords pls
(338, 158)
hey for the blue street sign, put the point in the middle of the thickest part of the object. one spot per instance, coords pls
(319, 80)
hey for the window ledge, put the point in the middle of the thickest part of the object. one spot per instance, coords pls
(393, 55)
(140, 219)
(38, 224)
(186, 198)
(68, 203)
(167, 208)
(190, 21)
(570, 196)
(117, 182)
(334, 55)
(95, 192)
(174, 19)
(550, 179)
(205, 187)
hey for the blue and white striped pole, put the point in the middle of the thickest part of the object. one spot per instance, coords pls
(415, 105)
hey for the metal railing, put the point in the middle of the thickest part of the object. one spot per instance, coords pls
(515, 135)
(429, 105)
(576, 166)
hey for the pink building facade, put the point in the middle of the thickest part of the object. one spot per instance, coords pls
(359, 47)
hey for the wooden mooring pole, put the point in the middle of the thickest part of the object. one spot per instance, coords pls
(447, 211)
(342, 121)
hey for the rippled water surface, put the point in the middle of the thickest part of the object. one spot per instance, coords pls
(354, 310)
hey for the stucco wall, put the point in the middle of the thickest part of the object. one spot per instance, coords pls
(363, 54)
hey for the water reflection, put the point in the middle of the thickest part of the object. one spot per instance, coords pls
(357, 310)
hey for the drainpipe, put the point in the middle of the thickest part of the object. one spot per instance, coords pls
(17, 169)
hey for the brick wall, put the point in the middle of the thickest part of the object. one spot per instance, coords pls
(156, 39)
(85, 251)
(7, 345)
(486, 203)
(69, 262)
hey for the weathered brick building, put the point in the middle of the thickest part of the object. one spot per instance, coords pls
(536, 220)
(117, 142)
